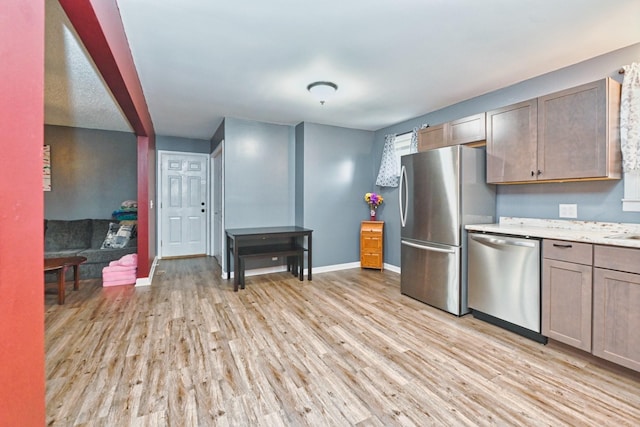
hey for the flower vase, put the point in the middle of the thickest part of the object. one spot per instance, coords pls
(373, 214)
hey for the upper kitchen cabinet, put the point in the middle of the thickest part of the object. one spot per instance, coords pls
(512, 142)
(462, 131)
(579, 132)
(574, 135)
(432, 137)
(467, 130)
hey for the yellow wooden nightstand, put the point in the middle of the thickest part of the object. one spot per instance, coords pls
(372, 244)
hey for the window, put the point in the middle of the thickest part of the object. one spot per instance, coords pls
(403, 145)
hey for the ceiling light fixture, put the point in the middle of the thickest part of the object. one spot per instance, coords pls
(322, 90)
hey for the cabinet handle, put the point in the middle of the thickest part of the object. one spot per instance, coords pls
(533, 173)
(557, 245)
(539, 172)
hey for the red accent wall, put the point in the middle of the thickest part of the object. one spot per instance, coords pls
(22, 383)
(146, 217)
(99, 26)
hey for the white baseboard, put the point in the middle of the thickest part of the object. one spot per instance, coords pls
(258, 271)
(146, 281)
(335, 267)
(392, 268)
(323, 269)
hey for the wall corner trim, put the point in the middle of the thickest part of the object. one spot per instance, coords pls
(146, 281)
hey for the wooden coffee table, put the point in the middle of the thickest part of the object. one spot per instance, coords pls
(60, 266)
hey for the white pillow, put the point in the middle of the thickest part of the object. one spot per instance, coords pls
(118, 236)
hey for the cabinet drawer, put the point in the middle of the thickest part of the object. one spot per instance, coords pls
(371, 241)
(371, 227)
(371, 260)
(617, 258)
(579, 253)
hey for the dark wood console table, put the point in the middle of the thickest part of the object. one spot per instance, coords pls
(257, 241)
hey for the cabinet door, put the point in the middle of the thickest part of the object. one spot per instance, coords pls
(566, 302)
(371, 242)
(572, 132)
(432, 137)
(371, 260)
(616, 317)
(466, 130)
(512, 143)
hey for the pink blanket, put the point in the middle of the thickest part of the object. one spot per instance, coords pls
(118, 275)
(131, 259)
(120, 272)
(118, 283)
(120, 268)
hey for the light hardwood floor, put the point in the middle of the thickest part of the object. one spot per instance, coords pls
(344, 349)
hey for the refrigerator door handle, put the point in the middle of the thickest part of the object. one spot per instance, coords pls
(501, 242)
(427, 248)
(403, 189)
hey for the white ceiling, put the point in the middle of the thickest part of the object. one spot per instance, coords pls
(201, 60)
(75, 94)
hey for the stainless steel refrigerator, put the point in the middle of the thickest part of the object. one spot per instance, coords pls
(441, 191)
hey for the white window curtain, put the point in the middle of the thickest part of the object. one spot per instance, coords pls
(389, 173)
(414, 140)
(630, 136)
(630, 118)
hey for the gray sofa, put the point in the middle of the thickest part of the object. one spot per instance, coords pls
(83, 237)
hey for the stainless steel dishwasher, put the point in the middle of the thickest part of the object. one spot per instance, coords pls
(504, 282)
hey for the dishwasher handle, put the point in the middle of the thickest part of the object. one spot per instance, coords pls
(501, 241)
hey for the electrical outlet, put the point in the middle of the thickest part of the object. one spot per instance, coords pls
(568, 211)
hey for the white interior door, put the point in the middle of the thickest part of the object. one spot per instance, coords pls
(183, 191)
(217, 205)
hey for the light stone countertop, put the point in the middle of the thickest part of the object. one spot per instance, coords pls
(570, 230)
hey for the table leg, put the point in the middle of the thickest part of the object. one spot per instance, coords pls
(61, 273)
(228, 262)
(309, 257)
(236, 266)
(76, 277)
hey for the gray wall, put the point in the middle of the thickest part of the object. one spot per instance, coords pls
(299, 175)
(257, 174)
(597, 201)
(92, 172)
(337, 170)
(310, 175)
(174, 143)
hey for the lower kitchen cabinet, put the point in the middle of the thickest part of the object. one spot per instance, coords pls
(616, 305)
(566, 303)
(567, 292)
(372, 244)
